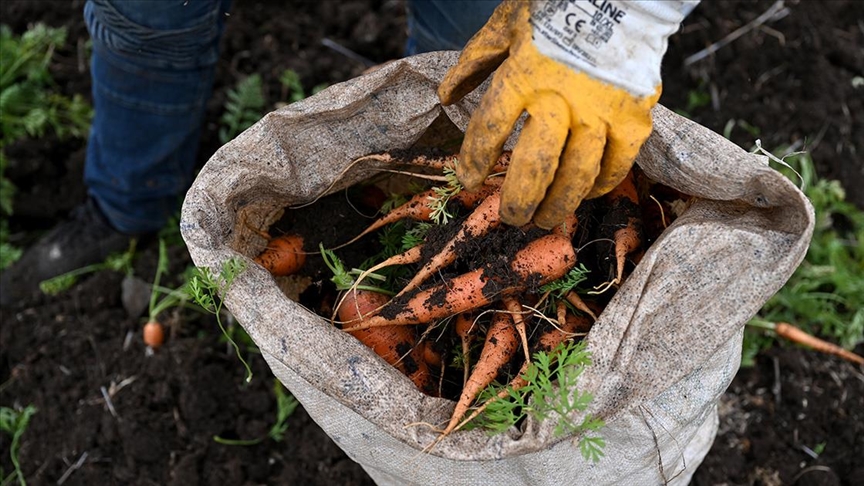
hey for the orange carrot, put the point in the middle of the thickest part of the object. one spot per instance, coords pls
(447, 161)
(464, 327)
(477, 224)
(568, 227)
(627, 239)
(501, 344)
(547, 342)
(624, 220)
(544, 260)
(579, 304)
(796, 335)
(418, 208)
(154, 334)
(395, 344)
(284, 255)
(518, 314)
(412, 255)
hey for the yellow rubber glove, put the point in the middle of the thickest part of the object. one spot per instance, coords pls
(582, 134)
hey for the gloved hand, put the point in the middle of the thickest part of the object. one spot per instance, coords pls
(587, 73)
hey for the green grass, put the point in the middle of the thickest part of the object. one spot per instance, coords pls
(825, 295)
(14, 421)
(244, 107)
(31, 106)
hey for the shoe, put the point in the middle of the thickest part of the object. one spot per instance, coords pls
(84, 239)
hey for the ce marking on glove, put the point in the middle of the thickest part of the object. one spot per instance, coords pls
(577, 26)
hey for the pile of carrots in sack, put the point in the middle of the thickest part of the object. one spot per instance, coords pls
(455, 300)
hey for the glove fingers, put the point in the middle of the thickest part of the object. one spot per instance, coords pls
(480, 57)
(535, 158)
(488, 129)
(577, 171)
(624, 140)
(617, 162)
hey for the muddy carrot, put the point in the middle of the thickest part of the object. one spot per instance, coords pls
(501, 344)
(464, 327)
(544, 259)
(547, 342)
(418, 208)
(397, 345)
(477, 224)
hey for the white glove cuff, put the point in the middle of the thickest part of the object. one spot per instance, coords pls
(620, 42)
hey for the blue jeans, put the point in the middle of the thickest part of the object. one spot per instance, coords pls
(152, 71)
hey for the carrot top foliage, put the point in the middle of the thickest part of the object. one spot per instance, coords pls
(825, 295)
(551, 393)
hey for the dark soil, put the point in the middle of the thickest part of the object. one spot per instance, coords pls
(794, 418)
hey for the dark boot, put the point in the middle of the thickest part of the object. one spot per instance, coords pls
(84, 239)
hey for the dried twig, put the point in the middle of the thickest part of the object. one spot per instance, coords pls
(329, 43)
(775, 12)
(73, 467)
(108, 402)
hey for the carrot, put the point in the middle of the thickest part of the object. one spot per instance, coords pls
(395, 344)
(568, 227)
(567, 328)
(501, 344)
(464, 327)
(418, 208)
(629, 238)
(446, 161)
(478, 223)
(542, 260)
(517, 313)
(579, 304)
(796, 335)
(412, 255)
(154, 334)
(547, 342)
(624, 214)
(283, 256)
(626, 240)
(433, 357)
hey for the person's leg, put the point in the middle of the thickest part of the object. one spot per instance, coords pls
(437, 25)
(152, 71)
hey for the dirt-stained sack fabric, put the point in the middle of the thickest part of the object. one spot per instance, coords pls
(664, 350)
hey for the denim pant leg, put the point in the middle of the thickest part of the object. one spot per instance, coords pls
(438, 25)
(152, 70)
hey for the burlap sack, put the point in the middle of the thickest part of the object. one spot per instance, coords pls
(664, 350)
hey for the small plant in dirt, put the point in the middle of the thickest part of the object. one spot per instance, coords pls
(244, 107)
(30, 106)
(14, 422)
(286, 405)
(246, 102)
(162, 299)
(118, 262)
(825, 295)
(29, 101)
(206, 289)
(292, 88)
